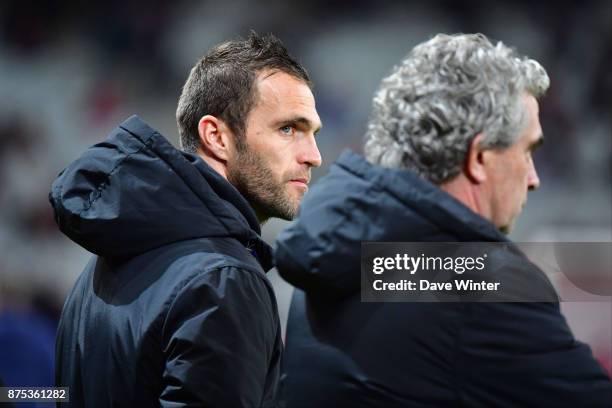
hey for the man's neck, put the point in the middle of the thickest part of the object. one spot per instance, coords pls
(214, 164)
(467, 193)
(221, 168)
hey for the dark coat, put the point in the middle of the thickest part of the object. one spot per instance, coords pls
(341, 352)
(174, 309)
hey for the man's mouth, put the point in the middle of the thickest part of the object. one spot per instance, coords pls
(300, 181)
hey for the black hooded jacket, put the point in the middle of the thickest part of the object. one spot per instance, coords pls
(174, 308)
(341, 352)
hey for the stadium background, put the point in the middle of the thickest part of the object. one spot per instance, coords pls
(71, 71)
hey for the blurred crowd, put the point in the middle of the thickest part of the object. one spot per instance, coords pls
(70, 71)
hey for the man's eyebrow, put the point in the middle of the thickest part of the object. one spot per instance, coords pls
(298, 120)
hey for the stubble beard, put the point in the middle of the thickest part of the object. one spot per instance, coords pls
(254, 179)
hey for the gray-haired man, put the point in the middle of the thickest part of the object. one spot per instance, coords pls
(448, 159)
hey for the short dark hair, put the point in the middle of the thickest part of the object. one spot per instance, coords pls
(221, 84)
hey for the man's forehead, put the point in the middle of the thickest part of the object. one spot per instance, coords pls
(283, 94)
(276, 83)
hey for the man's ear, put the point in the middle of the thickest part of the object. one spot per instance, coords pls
(215, 138)
(475, 161)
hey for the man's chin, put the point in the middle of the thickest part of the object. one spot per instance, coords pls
(293, 200)
(285, 211)
(507, 229)
(292, 213)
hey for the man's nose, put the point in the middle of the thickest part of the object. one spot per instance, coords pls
(533, 181)
(310, 154)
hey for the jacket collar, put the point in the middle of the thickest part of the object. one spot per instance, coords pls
(431, 202)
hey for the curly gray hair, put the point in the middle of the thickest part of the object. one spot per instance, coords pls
(445, 92)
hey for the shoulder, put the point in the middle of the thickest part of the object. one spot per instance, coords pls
(201, 259)
(519, 279)
(518, 324)
(223, 298)
(206, 266)
(216, 272)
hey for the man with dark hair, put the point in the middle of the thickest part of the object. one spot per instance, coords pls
(174, 308)
(448, 159)
(218, 98)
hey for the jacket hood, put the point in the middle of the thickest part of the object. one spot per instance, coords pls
(134, 192)
(358, 202)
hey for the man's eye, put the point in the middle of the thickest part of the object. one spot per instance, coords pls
(288, 130)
